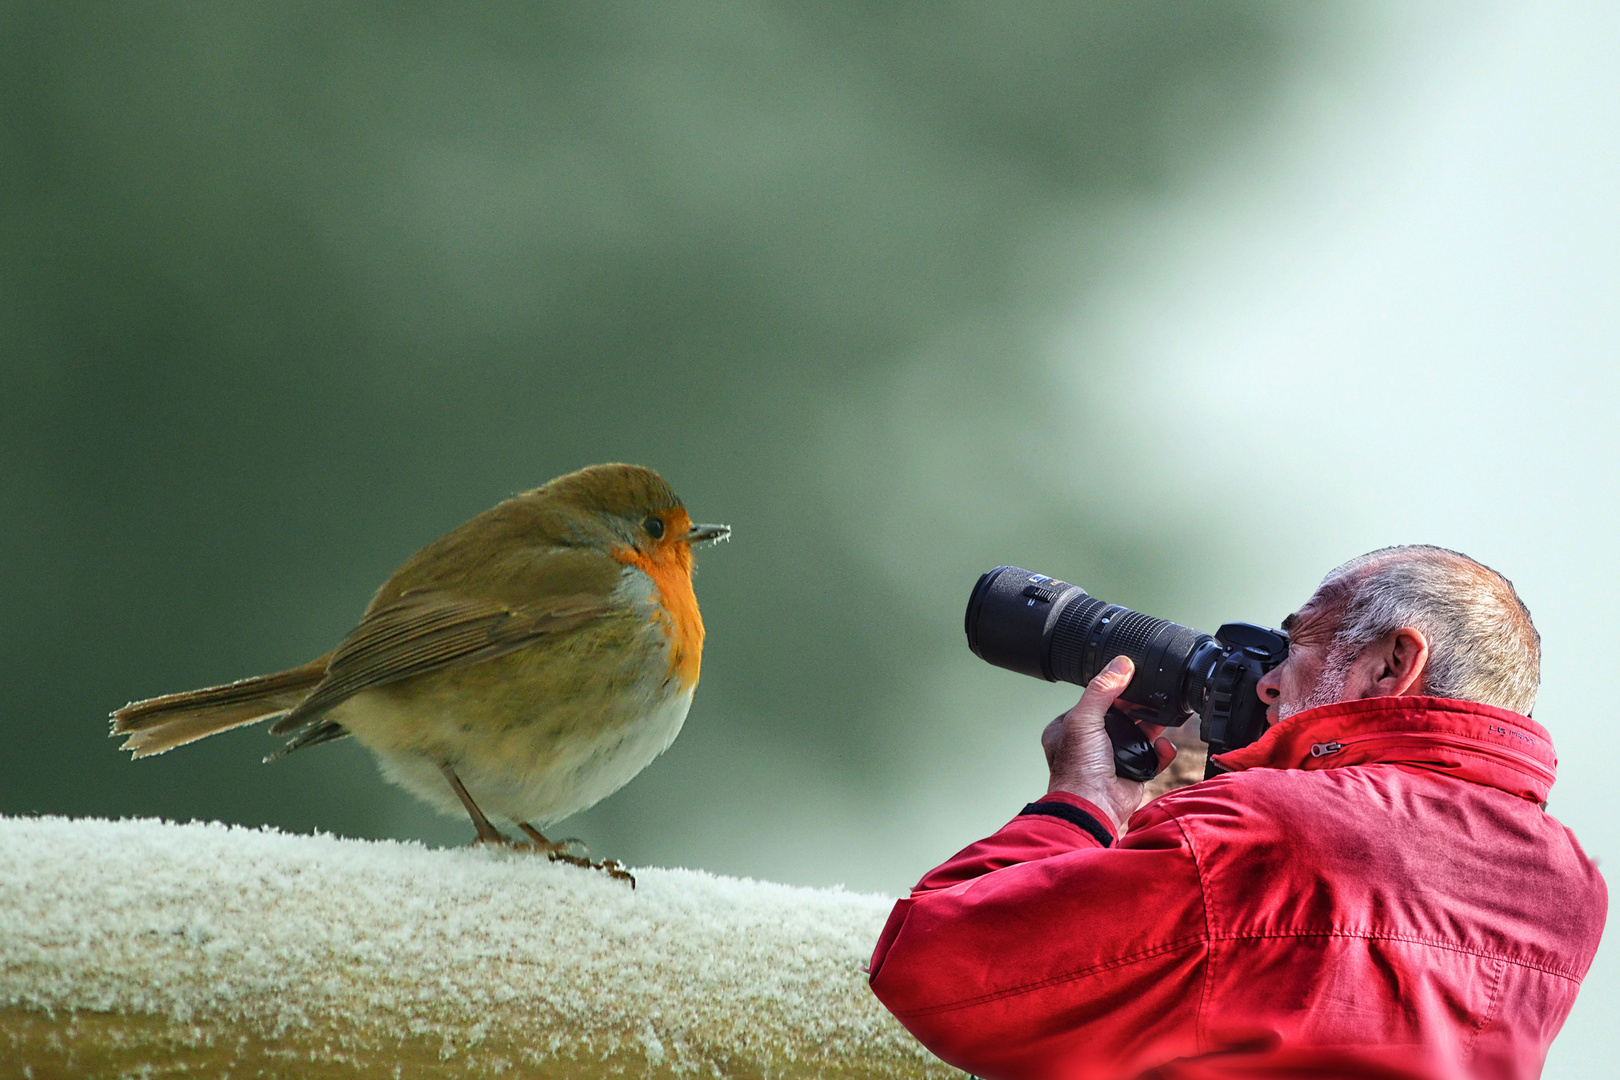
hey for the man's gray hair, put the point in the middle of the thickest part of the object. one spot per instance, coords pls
(1482, 644)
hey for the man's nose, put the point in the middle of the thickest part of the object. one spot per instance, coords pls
(1269, 688)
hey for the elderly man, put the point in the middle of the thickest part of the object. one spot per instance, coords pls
(1373, 889)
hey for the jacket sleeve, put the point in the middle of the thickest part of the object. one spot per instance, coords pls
(1043, 951)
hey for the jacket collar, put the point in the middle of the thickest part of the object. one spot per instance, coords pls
(1464, 739)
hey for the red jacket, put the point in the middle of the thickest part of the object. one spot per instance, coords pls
(1376, 893)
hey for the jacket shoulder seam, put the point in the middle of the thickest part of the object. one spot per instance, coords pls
(1489, 1011)
(1057, 980)
(1207, 989)
(1415, 939)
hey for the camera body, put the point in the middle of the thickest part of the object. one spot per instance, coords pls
(1040, 626)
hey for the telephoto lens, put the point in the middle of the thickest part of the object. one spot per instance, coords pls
(1040, 626)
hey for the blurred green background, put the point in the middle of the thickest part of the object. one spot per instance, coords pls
(1186, 302)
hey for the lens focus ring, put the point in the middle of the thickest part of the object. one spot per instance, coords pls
(1069, 638)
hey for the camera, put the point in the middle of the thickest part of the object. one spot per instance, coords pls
(1040, 626)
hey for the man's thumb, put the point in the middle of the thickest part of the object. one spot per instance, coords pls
(1115, 677)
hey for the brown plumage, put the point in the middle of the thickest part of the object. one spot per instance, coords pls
(531, 660)
(162, 723)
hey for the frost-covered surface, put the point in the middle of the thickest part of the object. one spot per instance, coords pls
(276, 933)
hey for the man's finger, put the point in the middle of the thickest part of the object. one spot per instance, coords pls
(1166, 751)
(1116, 676)
(1050, 738)
(1101, 691)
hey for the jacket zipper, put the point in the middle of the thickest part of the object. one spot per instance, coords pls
(1451, 742)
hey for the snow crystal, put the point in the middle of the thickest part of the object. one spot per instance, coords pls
(690, 972)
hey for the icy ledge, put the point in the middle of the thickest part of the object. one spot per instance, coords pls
(155, 949)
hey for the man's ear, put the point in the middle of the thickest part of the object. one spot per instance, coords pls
(1401, 659)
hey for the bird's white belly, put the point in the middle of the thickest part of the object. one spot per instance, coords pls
(592, 770)
(542, 783)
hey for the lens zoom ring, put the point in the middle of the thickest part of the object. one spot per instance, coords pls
(1069, 640)
(1130, 633)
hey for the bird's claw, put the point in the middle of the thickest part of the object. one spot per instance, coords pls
(563, 851)
(616, 869)
(612, 867)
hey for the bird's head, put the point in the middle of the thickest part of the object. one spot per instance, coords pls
(633, 511)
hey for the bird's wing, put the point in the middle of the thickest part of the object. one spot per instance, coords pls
(429, 631)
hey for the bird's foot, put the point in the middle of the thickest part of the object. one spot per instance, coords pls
(612, 867)
(563, 851)
(553, 849)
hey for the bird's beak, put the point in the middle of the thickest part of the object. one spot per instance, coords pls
(708, 534)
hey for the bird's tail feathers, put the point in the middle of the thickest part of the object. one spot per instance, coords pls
(163, 723)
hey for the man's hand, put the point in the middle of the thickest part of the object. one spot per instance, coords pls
(1080, 756)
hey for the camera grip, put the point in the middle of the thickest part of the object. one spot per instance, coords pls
(1134, 756)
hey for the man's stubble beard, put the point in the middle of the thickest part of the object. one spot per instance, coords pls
(1329, 686)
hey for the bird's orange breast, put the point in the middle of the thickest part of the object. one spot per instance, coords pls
(670, 567)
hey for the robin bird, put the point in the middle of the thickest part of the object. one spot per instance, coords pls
(527, 663)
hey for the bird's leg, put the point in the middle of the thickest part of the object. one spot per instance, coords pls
(487, 833)
(557, 851)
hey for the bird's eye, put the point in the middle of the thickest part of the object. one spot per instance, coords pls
(654, 527)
